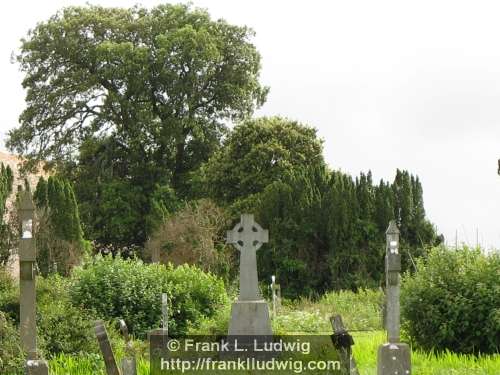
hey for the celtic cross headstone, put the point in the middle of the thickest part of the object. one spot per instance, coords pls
(250, 314)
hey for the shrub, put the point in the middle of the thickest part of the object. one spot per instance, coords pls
(451, 302)
(62, 326)
(131, 290)
(11, 355)
(9, 296)
(195, 235)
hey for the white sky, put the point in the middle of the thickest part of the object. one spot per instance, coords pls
(388, 84)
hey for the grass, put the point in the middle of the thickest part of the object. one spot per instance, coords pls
(361, 315)
(447, 363)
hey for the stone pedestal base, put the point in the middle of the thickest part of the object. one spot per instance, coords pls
(250, 318)
(158, 339)
(394, 359)
(37, 367)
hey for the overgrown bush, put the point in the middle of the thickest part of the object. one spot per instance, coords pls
(131, 290)
(11, 355)
(62, 326)
(452, 301)
(9, 296)
(195, 235)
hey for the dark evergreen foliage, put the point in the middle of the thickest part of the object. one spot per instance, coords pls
(59, 234)
(6, 233)
(328, 229)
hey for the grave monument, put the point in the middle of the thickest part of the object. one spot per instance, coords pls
(393, 356)
(250, 313)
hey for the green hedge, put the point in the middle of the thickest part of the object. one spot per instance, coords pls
(452, 301)
(131, 290)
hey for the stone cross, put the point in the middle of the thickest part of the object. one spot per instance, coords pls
(106, 350)
(392, 270)
(248, 236)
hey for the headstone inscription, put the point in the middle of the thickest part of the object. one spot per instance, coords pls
(27, 287)
(394, 356)
(250, 313)
(106, 350)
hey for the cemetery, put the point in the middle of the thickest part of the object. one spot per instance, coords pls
(134, 221)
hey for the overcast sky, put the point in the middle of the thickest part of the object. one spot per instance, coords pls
(388, 84)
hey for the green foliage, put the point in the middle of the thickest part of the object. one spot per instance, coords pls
(131, 290)
(63, 327)
(11, 355)
(59, 235)
(328, 230)
(7, 233)
(256, 153)
(451, 302)
(9, 296)
(139, 95)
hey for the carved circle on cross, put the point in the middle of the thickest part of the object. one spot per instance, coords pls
(240, 228)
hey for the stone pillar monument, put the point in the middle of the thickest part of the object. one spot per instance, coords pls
(393, 356)
(27, 262)
(250, 314)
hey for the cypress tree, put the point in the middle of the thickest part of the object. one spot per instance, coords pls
(61, 237)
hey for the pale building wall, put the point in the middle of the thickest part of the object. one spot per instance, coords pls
(14, 162)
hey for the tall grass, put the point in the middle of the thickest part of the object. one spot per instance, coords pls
(447, 363)
(360, 311)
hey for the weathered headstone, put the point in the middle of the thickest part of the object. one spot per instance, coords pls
(27, 287)
(394, 357)
(343, 341)
(250, 314)
(129, 365)
(276, 295)
(106, 350)
(158, 339)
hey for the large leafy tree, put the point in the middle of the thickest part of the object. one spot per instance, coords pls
(152, 86)
(257, 153)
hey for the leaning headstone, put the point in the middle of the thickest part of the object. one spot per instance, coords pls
(343, 341)
(158, 339)
(106, 350)
(250, 313)
(27, 287)
(394, 357)
(129, 365)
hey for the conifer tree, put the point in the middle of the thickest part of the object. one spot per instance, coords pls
(7, 238)
(59, 236)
